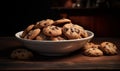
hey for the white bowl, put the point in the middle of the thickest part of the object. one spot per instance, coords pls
(55, 48)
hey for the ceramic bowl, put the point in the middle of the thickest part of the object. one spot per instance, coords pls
(55, 48)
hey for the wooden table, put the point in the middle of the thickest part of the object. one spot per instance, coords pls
(73, 61)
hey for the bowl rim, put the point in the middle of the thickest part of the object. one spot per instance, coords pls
(17, 35)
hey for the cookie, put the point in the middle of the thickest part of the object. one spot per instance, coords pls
(32, 34)
(41, 36)
(44, 23)
(90, 45)
(94, 52)
(25, 32)
(62, 21)
(108, 48)
(52, 30)
(58, 38)
(84, 33)
(72, 31)
(21, 54)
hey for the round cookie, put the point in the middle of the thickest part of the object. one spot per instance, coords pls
(84, 34)
(21, 54)
(62, 21)
(52, 30)
(41, 36)
(58, 38)
(32, 34)
(72, 31)
(94, 52)
(108, 48)
(25, 32)
(44, 23)
(90, 45)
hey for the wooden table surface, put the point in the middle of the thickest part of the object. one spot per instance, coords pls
(73, 61)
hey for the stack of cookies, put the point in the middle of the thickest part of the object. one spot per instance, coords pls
(61, 29)
(104, 48)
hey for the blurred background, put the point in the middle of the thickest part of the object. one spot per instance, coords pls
(99, 16)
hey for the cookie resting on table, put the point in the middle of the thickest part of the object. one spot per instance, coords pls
(21, 54)
(109, 48)
(94, 52)
(90, 45)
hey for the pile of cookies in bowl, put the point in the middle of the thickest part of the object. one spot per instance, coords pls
(62, 29)
(54, 37)
(60, 37)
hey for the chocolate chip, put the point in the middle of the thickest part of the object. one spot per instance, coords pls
(56, 28)
(107, 43)
(19, 51)
(75, 30)
(93, 48)
(45, 24)
(53, 28)
(50, 32)
(72, 30)
(66, 29)
(98, 46)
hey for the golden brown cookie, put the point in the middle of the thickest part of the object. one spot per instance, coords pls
(32, 34)
(52, 30)
(84, 34)
(108, 48)
(42, 36)
(62, 21)
(58, 38)
(90, 45)
(21, 54)
(72, 31)
(44, 23)
(25, 32)
(94, 52)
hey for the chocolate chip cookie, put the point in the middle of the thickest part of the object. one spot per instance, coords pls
(25, 32)
(21, 54)
(57, 38)
(62, 21)
(42, 36)
(90, 45)
(44, 23)
(109, 48)
(72, 31)
(94, 52)
(52, 30)
(32, 34)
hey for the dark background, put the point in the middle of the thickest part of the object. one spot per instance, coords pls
(18, 14)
